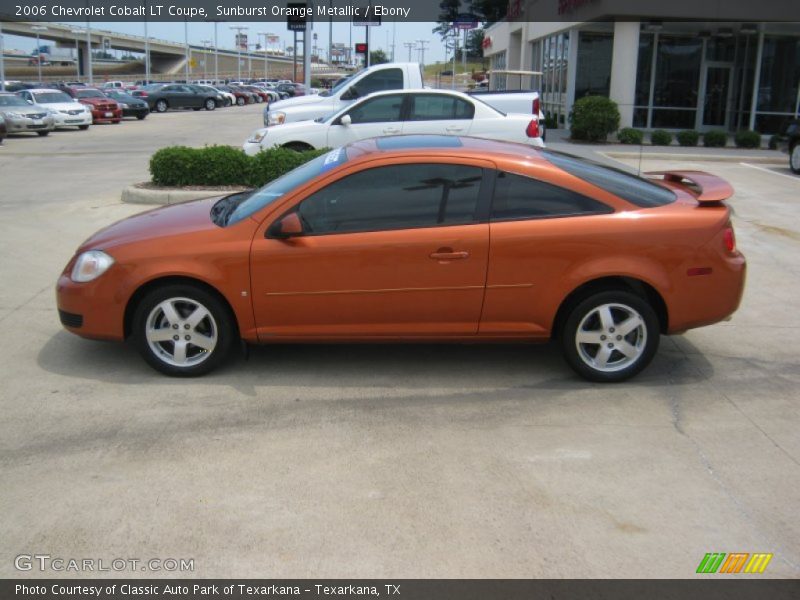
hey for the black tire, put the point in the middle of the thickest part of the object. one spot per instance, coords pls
(218, 323)
(210, 104)
(641, 342)
(259, 99)
(162, 106)
(141, 117)
(298, 146)
(83, 127)
(240, 101)
(228, 102)
(43, 133)
(794, 158)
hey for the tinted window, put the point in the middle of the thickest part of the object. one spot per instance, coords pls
(385, 108)
(439, 107)
(51, 97)
(395, 197)
(12, 101)
(517, 197)
(386, 79)
(635, 190)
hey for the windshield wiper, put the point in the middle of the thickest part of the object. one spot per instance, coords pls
(221, 211)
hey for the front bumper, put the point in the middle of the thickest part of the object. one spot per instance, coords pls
(93, 310)
(107, 116)
(22, 124)
(135, 111)
(67, 120)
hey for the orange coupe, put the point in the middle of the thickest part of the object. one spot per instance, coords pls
(423, 238)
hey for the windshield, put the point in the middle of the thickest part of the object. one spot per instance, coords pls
(51, 97)
(338, 86)
(293, 179)
(89, 94)
(12, 101)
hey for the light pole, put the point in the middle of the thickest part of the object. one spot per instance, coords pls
(37, 29)
(2, 61)
(76, 33)
(206, 44)
(239, 29)
(216, 55)
(89, 53)
(266, 61)
(146, 51)
(188, 52)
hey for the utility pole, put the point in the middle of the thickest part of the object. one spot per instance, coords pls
(206, 44)
(216, 55)
(266, 62)
(186, 41)
(307, 54)
(411, 46)
(2, 61)
(422, 51)
(37, 29)
(89, 52)
(330, 34)
(146, 49)
(76, 33)
(239, 29)
(394, 37)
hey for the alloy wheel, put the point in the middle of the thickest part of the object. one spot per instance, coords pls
(611, 337)
(181, 332)
(794, 158)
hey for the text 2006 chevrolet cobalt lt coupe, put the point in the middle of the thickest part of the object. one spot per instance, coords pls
(418, 238)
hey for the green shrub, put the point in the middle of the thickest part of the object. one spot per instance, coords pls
(747, 139)
(593, 118)
(688, 137)
(661, 138)
(715, 139)
(223, 166)
(628, 135)
(773, 142)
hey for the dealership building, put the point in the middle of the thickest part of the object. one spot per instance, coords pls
(734, 66)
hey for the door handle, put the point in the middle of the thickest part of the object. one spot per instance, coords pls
(391, 130)
(454, 129)
(449, 254)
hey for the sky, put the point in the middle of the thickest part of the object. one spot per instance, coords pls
(380, 37)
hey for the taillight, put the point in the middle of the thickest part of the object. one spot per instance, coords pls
(729, 240)
(535, 107)
(532, 131)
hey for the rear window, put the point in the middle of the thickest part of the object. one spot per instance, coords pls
(636, 190)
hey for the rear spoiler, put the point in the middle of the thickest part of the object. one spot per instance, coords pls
(703, 186)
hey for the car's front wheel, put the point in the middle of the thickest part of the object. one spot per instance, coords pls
(610, 336)
(162, 106)
(83, 127)
(210, 104)
(183, 330)
(43, 133)
(794, 158)
(240, 101)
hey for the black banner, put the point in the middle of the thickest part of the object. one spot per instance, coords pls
(405, 589)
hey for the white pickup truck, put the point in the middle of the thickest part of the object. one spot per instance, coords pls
(383, 77)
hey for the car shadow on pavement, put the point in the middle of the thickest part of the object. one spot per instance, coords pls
(424, 366)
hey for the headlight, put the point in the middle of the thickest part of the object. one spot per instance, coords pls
(276, 118)
(14, 115)
(258, 135)
(90, 265)
(123, 105)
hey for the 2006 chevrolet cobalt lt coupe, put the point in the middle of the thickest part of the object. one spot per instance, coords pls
(418, 238)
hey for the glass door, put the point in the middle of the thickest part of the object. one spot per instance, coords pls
(717, 94)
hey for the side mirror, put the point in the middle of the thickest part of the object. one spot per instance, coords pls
(29, 101)
(286, 227)
(345, 120)
(351, 93)
(74, 99)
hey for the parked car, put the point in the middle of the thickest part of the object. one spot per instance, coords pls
(3, 129)
(163, 97)
(400, 112)
(789, 142)
(131, 105)
(22, 117)
(418, 238)
(228, 99)
(260, 94)
(66, 111)
(384, 77)
(104, 109)
(242, 97)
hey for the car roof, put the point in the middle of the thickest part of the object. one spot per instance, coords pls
(41, 90)
(447, 145)
(419, 91)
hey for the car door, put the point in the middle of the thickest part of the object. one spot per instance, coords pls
(175, 95)
(442, 114)
(373, 117)
(394, 250)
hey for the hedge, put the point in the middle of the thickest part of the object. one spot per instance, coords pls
(223, 165)
(688, 138)
(593, 118)
(747, 139)
(661, 138)
(628, 135)
(715, 139)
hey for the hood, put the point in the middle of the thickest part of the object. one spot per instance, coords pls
(153, 225)
(27, 109)
(95, 101)
(63, 105)
(300, 101)
(289, 128)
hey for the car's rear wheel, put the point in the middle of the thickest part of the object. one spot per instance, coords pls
(298, 146)
(83, 127)
(141, 117)
(794, 158)
(240, 101)
(210, 104)
(43, 133)
(183, 330)
(162, 106)
(610, 336)
(228, 102)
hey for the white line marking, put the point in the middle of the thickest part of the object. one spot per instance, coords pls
(792, 177)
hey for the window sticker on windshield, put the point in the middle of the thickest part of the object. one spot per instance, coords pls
(334, 159)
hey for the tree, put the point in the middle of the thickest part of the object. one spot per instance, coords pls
(485, 11)
(377, 57)
(475, 43)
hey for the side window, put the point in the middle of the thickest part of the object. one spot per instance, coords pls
(437, 107)
(378, 110)
(385, 79)
(518, 197)
(394, 197)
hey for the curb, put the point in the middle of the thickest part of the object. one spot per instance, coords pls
(133, 194)
(764, 160)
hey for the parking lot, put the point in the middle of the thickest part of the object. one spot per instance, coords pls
(392, 460)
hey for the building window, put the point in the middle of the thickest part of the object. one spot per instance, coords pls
(677, 72)
(593, 75)
(499, 64)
